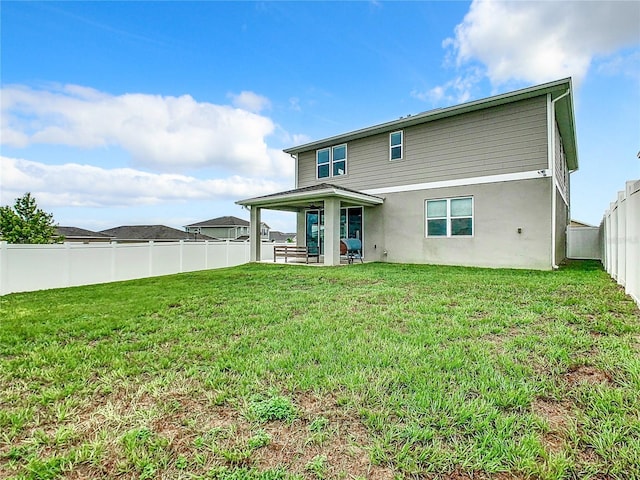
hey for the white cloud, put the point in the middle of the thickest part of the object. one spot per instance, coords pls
(434, 95)
(250, 101)
(163, 133)
(89, 186)
(541, 41)
(294, 104)
(622, 64)
(535, 42)
(300, 139)
(458, 90)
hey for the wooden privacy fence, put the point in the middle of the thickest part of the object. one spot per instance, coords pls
(621, 236)
(25, 268)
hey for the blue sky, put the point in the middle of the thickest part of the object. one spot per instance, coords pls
(128, 113)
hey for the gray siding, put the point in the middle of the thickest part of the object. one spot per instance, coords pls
(562, 223)
(505, 139)
(561, 193)
(224, 232)
(561, 170)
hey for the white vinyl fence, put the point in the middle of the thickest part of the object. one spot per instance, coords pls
(25, 268)
(584, 243)
(621, 237)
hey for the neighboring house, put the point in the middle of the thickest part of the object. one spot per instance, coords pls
(485, 183)
(578, 223)
(146, 233)
(226, 228)
(80, 235)
(280, 237)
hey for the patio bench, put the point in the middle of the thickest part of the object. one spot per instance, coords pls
(293, 251)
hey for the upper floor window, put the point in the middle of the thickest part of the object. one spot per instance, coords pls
(331, 162)
(395, 145)
(324, 159)
(450, 217)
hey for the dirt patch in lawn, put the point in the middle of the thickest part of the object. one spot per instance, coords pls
(460, 475)
(323, 435)
(587, 374)
(557, 416)
(341, 444)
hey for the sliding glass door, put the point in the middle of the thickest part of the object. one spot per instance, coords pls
(351, 222)
(350, 227)
(315, 231)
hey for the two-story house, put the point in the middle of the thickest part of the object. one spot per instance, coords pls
(226, 228)
(484, 183)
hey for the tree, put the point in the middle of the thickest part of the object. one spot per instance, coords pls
(26, 223)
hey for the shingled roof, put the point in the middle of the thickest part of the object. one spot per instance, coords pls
(80, 233)
(151, 232)
(227, 221)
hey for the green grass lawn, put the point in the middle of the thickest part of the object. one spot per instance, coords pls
(371, 371)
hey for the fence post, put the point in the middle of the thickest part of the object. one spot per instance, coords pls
(181, 260)
(67, 264)
(632, 241)
(227, 252)
(622, 238)
(4, 274)
(614, 240)
(151, 245)
(113, 261)
(603, 241)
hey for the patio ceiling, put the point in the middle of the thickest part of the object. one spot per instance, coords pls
(314, 196)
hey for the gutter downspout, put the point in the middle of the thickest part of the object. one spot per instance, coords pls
(551, 128)
(295, 169)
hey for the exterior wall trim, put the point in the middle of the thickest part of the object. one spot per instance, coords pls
(562, 194)
(551, 152)
(460, 182)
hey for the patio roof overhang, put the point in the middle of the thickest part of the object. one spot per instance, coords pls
(314, 196)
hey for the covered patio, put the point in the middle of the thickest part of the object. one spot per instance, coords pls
(326, 197)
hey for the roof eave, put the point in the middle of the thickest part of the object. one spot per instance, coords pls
(566, 124)
(315, 195)
(432, 115)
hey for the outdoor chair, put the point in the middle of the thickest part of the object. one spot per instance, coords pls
(352, 248)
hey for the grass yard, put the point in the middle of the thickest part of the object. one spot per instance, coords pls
(374, 371)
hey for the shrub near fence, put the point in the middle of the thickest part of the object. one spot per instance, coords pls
(621, 237)
(25, 268)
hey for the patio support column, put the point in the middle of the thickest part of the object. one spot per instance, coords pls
(254, 234)
(301, 228)
(332, 231)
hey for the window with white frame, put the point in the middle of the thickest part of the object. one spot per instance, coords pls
(396, 145)
(450, 217)
(331, 162)
(323, 158)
